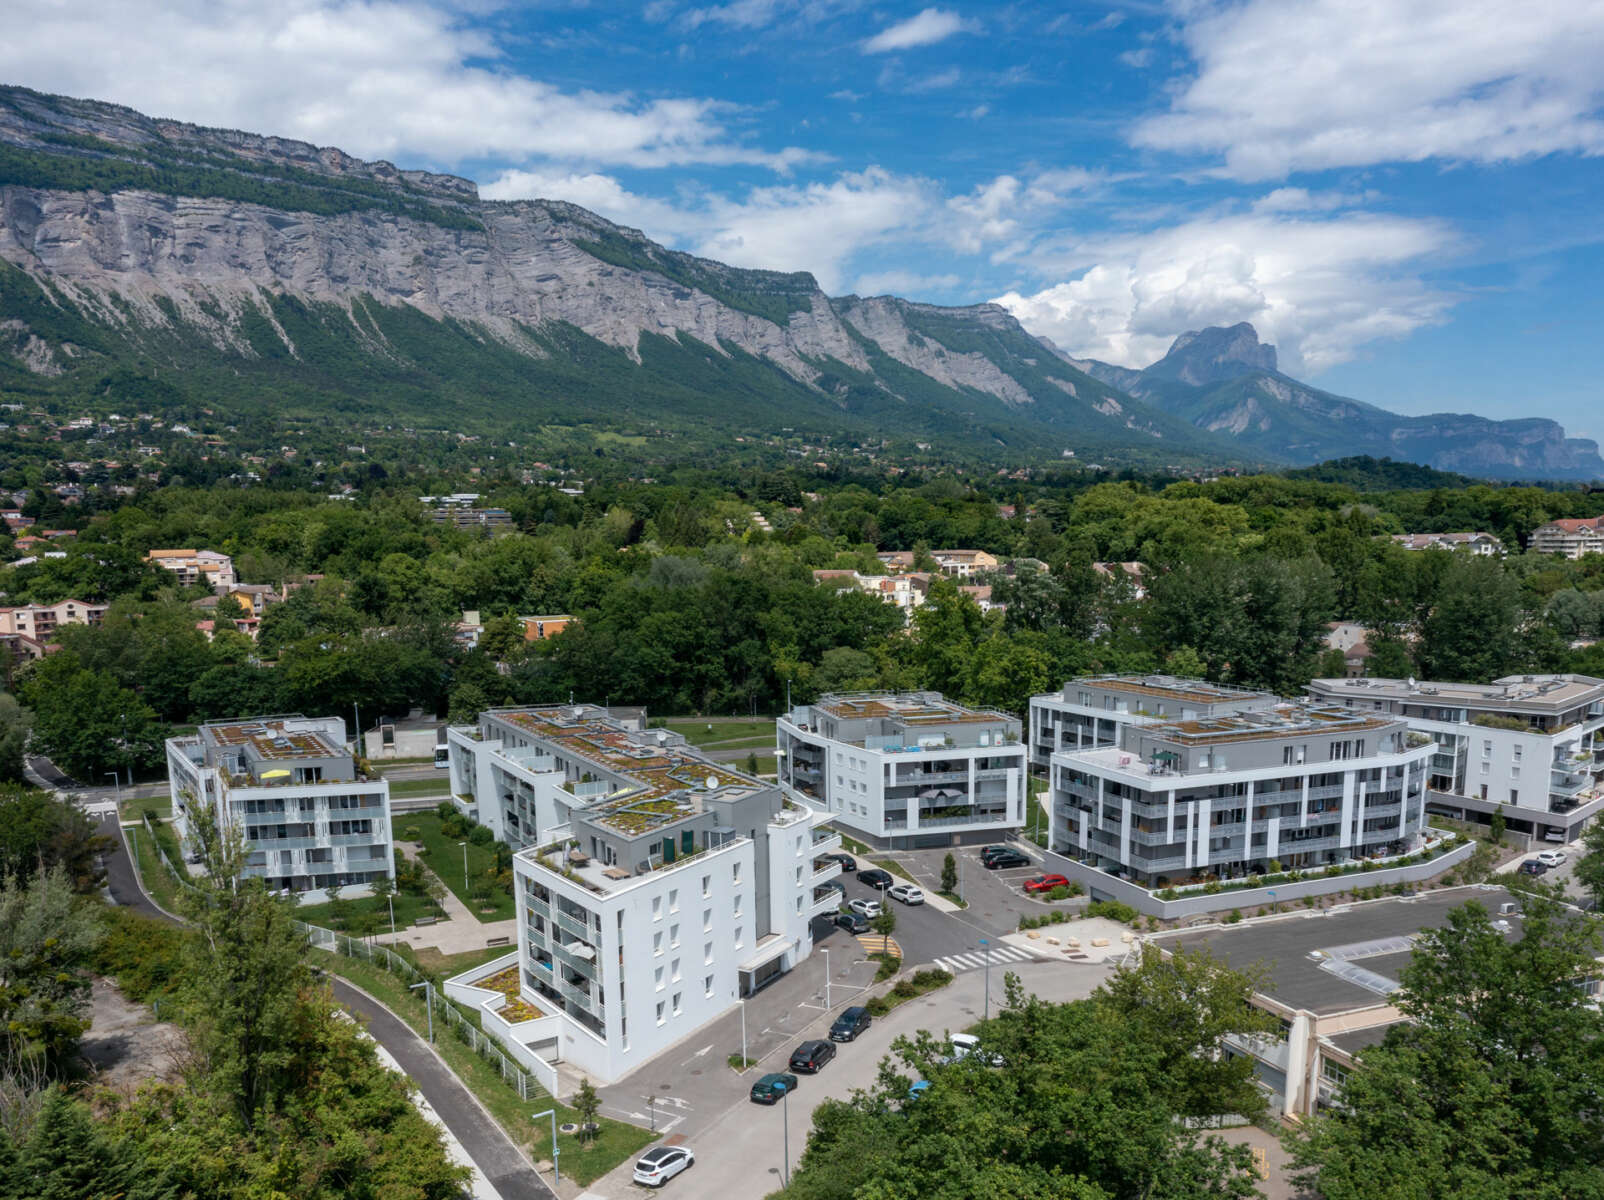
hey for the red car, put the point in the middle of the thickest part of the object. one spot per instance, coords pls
(1045, 883)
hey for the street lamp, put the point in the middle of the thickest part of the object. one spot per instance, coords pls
(987, 945)
(117, 783)
(428, 1003)
(552, 1113)
(826, 980)
(742, 1000)
(464, 846)
(785, 1163)
(390, 902)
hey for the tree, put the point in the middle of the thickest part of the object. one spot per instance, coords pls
(949, 875)
(1488, 1087)
(1471, 630)
(46, 941)
(40, 832)
(86, 722)
(14, 726)
(1589, 869)
(886, 923)
(68, 1157)
(586, 1105)
(1496, 825)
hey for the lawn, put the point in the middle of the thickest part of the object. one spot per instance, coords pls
(896, 868)
(444, 857)
(161, 886)
(410, 788)
(718, 734)
(135, 807)
(408, 909)
(617, 1142)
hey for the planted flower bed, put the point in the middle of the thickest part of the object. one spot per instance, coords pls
(517, 1009)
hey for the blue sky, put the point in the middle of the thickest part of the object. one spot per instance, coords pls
(1403, 195)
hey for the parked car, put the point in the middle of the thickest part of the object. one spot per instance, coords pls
(1046, 883)
(835, 885)
(850, 1023)
(848, 863)
(965, 1044)
(810, 1056)
(1533, 867)
(996, 848)
(1005, 858)
(853, 923)
(866, 908)
(661, 1163)
(1551, 858)
(772, 1086)
(906, 892)
(876, 878)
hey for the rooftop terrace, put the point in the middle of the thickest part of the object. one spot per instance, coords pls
(1167, 687)
(911, 708)
(1286, 720)
(272, 739)
(1542, 692)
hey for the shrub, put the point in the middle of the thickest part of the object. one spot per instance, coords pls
(906, 988)
(1212, 887)
(1275, 866)
(877, 1006)
(1168, 893)
(932, 977)
(411, 834)
(1058, 893)
(1114, 910)
(1060, 917)
(1308, 902)
(451, 827)
(481, 836)
(1232, 917)
(445, 810)
(1075, 888)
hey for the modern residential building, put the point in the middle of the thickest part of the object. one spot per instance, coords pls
(1571, 537)
(38, 622)
(311, 818)
(206, 567)
(1226, 796)
(1528, 745)
(902, 590)
(1090, 711)
(1477, 543)
(654, 887)
(906, 770)
(1330, 976)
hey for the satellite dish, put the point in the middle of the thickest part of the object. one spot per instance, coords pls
(1411, 681)
(661, 737)
(712, 782)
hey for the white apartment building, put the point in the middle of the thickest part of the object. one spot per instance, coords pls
(292, 786)
(39, 621)
(654, 887)
(196, 566)
(1197, 797)
(1481, 544)
(1527, 744)
(1091, 711)
(903, 591)
(1570, 536)
(906, 770)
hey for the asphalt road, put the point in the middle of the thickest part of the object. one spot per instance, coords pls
(483, 1140)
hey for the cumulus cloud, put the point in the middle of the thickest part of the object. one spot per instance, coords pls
(379, 78)
(1289, 85)
(1319, 287)
(928, 27)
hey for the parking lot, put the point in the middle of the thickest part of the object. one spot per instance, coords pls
(995, 899)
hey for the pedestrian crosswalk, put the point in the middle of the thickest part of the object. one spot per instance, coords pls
(976, 959)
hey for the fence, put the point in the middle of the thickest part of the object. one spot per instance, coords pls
(526, 1085)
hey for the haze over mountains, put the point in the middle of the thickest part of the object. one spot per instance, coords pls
(173, 263)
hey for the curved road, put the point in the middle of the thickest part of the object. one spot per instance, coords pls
(491, 1150)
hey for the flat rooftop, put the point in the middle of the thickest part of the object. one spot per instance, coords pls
(1341, 959)
(272, 739)
(1284, 720)
(1545, 693)
(911, 708)
(661, 783)
(1168, 687)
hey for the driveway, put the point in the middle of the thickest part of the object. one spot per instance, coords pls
(740, 1149)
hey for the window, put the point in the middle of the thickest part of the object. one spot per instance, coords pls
(673, 900)
(673, 970)
(1518, 748)
(737, 937)
(707, 919)
(707, 886)
(1487, 749)
(657, 942)
(707, 986)
(1486, 767)
(799, 877)
(799, 905)
(659, 1012)
(673, 937)
(677, 996)
(657, 908)
(1514, 772)
(707, 953)
(657, 979)
(1514, 795)
(735, 874)
(739, 896)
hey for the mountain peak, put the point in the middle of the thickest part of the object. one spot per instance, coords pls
(1215, 355)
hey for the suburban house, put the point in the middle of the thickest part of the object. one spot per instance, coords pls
(654, 887)
(1528, 746)
(538, 629)
(291, 785)
(28, 630)
(1133, 573)
(901, 590)
(206, 567)
(957, 563)
(906, 770)
(1571, 537)
(1479, 544)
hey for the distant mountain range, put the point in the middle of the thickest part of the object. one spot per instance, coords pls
(149, 261)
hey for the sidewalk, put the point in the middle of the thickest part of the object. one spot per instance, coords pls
(460, 931)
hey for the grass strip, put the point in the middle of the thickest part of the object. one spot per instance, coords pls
(894, 867)
(445, 857)
(615, 1142)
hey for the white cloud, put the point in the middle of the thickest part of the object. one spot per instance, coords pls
(909, 284)
(1137, 58)
(975, 113)
(378, 78)
(1318, 287)
(1288, 85)
(928, 27)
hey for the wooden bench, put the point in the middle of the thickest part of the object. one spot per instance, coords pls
(426, 920)
(498, 941)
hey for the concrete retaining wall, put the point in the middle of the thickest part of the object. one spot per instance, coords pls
(1102, 886)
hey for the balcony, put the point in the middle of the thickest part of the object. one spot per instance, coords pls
(574, 925)
(825, 901)
(1569, 784)
(578, 996)
(825, 868)
(826, 841)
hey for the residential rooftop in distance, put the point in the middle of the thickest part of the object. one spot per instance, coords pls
(1285, 720)
(1541, 693)
(271, 738)
(1167, 687)
(909, 708)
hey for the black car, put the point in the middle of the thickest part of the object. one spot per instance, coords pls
(848, 863)
(772, 1087)
(1532, 867)
(853, 923)
(850, 1023)
(876, 878)
(810, 1056)
(1004, 858)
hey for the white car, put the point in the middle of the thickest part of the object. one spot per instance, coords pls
(965, 1044)
(865, 908)
(661, 1163)
(907, 893)
(1551, 858)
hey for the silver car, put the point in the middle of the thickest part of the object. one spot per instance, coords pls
(907, 893)
(865, 908)
(661, 1163)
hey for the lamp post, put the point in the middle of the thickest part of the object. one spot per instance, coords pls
(428, 1003)
(552, 1113)
(117, 783)
(390, 901)
(464, 846)
(987, 944)
(785, 1163)
(743, 1032)
(826, 980)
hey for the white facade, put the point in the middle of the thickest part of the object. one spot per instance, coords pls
(654, 887)
(1544, 774)
(906, 770)
(1572, 537)
(1227, 796)
(1092, 710)
(310, 818)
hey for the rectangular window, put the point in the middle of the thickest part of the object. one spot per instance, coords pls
(738, 899)
(1514, 796)
(707, 919)
(1514, 772)
(707, 953)
(707, 986)
(1487, 749)
(1518, 749)
(659, 1012)
(673, 970)
(657, 979)
(737, 937)
(673, 900)
(735, 874)
(673, 937)
(707, 886)
(657, 908)
(677, 996)
(799, 876)
(657, 942)
(1486, 768)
